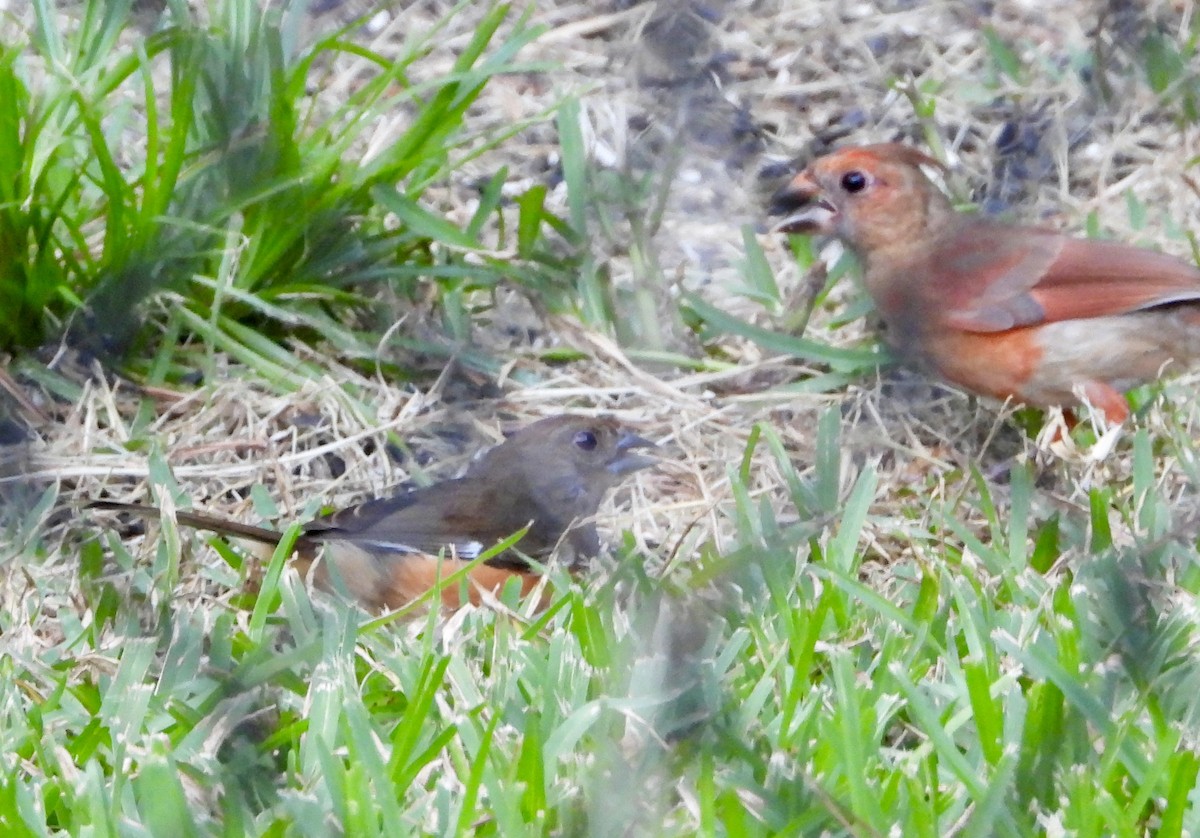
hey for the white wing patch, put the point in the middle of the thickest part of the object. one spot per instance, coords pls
(465, 550)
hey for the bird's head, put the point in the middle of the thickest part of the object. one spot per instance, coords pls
(582, 456)
(869, 196)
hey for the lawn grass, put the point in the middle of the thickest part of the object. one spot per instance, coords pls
(336, 260)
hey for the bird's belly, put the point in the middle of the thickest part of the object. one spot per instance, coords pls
(1044, 365)
(393, 581)
(1122, 351)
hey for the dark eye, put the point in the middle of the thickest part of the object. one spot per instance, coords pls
(854, 182)
(585, 440)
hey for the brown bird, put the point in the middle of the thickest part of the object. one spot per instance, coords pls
(1002, 310)
(549, 476)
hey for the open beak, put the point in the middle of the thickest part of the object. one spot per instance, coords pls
(804, 206)
(627, 458)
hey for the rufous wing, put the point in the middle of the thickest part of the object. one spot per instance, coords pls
(993, 277)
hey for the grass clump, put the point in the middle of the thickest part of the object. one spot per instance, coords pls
(197, 162)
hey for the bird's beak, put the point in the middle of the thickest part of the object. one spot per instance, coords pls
(627, 459)
(805, 206)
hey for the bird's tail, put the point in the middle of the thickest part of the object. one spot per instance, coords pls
(195, 520)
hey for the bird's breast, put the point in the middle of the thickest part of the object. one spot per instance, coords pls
(997, 364)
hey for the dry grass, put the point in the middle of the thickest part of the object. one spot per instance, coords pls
(726, 93)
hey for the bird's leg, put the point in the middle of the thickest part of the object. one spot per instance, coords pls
(1107, 400)
(1104, 398)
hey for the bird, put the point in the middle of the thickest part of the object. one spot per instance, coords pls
(1008, 311)
(384, 553)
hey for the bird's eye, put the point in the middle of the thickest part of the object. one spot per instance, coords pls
(854, 182)
(585, 440)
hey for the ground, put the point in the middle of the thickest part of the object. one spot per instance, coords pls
(693, 113)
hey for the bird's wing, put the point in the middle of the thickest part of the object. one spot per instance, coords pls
(995, 277)
(448, 517)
